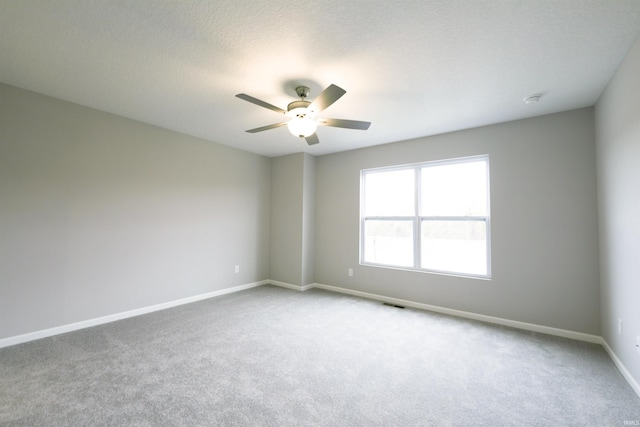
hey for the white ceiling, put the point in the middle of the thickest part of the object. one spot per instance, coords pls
(412, 68)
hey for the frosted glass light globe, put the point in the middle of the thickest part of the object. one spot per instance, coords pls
(302, 126)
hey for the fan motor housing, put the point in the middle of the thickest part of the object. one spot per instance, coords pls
(298, 109)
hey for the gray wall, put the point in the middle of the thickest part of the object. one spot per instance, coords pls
(292, 219)
(618, 144)
(286, 219)
(308, 219)
(101, 214)
(544, 222)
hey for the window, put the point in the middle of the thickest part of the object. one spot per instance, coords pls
(427, 216)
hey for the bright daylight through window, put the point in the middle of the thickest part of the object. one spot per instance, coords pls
(428, 216)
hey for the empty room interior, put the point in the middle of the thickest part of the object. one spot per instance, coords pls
(320, 213)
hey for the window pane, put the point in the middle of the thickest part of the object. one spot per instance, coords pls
(389, 242)
(454, 246)
(456, 189)
(390, 193)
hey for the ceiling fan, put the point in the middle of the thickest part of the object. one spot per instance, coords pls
(303, 114)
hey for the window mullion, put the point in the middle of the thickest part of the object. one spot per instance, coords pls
(455, 218)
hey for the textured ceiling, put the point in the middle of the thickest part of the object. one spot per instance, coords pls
(412, 68)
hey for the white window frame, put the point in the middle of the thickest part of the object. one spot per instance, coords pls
(417, 218)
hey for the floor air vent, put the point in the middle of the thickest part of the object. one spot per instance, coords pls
(392, 305)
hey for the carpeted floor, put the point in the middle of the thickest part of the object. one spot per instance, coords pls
(275, 357)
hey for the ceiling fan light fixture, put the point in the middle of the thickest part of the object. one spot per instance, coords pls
(302, 126)
(303, 122)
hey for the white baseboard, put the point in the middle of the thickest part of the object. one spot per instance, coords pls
(290, 286)
(623, 369)
(468, 315)
(31, 336)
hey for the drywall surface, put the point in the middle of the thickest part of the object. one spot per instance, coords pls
(286, 219)
(544, 243)
(618, 152)
(292, 219)
(308, 219)
(101, 214)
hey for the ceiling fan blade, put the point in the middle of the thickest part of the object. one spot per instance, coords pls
(348, 124)
(312, 139)
(260, 129)
(326, 98)
(256, 101)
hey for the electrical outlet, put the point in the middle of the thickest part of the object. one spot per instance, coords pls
(619, 326)
(237, 269)
(350, 272)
